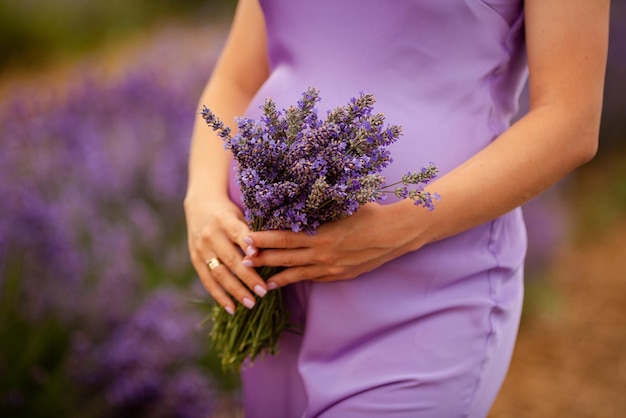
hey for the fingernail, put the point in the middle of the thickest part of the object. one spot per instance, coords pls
(272, 286)
(250, 250)
(248, 240)
(229, 310)
(248, 303)
(260, 290)
(247, 263)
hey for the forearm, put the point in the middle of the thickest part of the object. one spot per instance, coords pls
(208, 160)
(242, 68)
(535, 153)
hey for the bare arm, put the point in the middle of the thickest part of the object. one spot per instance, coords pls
(216, 227)
(567, 47)
(238, 74)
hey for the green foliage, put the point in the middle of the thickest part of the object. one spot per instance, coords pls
(35, 31)
(602, 191)
(32, 358)
(37, 355)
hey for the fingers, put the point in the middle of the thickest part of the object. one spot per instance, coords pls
(322, 273)
(306, 256)
(229, 283)
(298, 243)
(279, 239)
(310, 272)
(320, 263)
(235, 271)
(302, 264)
(223, 285)
(282, 258)
(222, 241)
(238, 231)
(339, 251)
(230, 275)
(211, 286)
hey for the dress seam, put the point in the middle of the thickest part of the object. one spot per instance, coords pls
(494, 306)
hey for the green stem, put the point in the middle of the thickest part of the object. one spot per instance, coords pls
(249, 332)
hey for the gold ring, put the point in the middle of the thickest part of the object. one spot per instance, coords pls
(213, 263)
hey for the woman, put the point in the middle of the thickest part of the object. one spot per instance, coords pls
(407, 313)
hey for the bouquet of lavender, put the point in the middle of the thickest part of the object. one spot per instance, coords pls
(297, 172)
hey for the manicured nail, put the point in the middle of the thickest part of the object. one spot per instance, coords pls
(247, 263)
(248, 303)
(272, 286)
(248, 240)
(250, 250)
(260, 290)
(229, 310)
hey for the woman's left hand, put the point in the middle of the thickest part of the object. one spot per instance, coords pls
(340, 250)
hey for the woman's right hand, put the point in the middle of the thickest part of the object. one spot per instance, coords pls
(217, 229)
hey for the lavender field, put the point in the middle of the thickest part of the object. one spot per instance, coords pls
(96, 288)
(97, 296)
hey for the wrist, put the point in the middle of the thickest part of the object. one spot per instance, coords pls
(415, 224)
(203, 197)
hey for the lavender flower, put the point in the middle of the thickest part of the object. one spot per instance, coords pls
(92, 175)
(135, 364)
(292, 164)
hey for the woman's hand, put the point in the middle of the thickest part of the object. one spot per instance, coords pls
(339, 251)
(217, 229)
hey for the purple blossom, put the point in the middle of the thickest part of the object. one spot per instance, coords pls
(298, 172)
(92, 177)
(133, 366)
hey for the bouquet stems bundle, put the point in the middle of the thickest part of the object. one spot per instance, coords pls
(297, 172)
(249, 332)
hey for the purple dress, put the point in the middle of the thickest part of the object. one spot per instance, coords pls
(429, 334)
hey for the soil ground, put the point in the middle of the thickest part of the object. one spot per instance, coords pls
(570, 358)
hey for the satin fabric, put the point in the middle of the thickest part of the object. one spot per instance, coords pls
(429, 334)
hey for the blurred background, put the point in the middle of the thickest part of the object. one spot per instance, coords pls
(97, 312)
